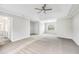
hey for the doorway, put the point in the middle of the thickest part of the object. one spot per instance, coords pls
(34, 28)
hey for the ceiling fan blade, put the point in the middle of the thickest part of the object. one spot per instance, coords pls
(44, 5)
(48, 9)
(38, 9)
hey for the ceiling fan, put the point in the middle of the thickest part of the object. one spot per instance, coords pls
(44, 9)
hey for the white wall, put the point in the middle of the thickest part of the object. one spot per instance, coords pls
(41, 28)
(20, 28)
(37, 27)
(64, 28)
(76, 28)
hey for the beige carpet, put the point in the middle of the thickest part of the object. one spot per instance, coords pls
(41, 44)
(50, 44)
(13, 47)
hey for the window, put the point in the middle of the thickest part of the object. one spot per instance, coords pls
(4, 23)
(51, 27)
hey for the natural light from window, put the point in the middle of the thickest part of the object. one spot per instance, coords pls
(4, 23)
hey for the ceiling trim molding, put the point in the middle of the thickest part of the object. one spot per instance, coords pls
(10, 13)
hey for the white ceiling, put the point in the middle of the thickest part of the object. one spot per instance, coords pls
(59, 10)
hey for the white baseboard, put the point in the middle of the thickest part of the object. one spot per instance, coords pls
(19, 39)
(77, 42)
(62, 36)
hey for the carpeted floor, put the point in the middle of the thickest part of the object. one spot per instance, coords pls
(41, 44)
(50, 44)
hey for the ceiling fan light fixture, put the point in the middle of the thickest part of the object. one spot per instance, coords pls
(43, 9)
